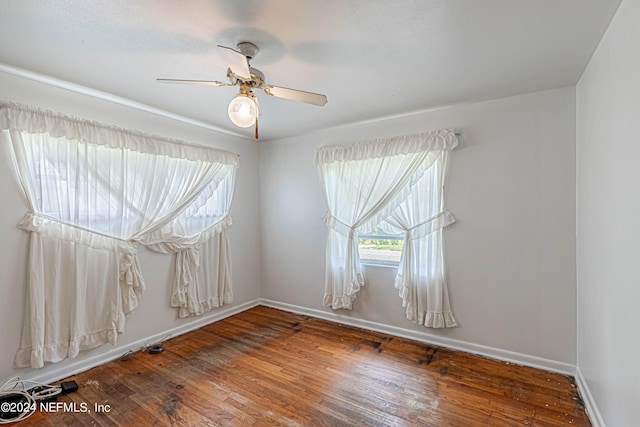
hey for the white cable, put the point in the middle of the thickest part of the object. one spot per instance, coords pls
(46, 393)
(16, 386)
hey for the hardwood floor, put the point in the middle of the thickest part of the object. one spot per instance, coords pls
(266, 367)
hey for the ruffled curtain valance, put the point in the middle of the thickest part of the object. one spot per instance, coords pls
(371, 183)
(94, 191)
(23, 118)
(439, 140)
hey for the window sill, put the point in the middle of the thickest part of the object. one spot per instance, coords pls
(376, 265)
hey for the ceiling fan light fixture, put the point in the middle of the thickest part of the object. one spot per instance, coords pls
(243, 110)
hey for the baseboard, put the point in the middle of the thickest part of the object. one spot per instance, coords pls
(494, 353)
(589, 401)
(53, 376)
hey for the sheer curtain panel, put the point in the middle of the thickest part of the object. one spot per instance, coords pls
(198, 236)
(93, 191)
(420, 279)
(362, 184)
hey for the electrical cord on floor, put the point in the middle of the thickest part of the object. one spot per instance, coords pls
(154, 348)
(18, 404)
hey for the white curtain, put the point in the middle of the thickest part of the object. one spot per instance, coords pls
(420, 279)
(198, 236)
(94, 190)
(76, 293)
(362, 184)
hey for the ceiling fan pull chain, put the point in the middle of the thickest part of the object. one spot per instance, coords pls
(255, 131)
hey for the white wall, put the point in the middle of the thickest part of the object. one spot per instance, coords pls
(510, 258)
(154, 316)
(608, 208)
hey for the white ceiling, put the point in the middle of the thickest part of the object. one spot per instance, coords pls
(372, 58)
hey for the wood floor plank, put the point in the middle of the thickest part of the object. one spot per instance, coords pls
(266, 367)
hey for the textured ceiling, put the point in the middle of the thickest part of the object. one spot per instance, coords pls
(372, 58)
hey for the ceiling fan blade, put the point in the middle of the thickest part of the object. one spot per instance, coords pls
(237, 62)
(296, 95)
(194, 82)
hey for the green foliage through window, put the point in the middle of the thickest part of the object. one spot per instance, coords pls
(379, 247)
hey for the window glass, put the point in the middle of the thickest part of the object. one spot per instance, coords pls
(379, 247)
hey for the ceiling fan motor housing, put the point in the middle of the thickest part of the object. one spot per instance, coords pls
(257, 78)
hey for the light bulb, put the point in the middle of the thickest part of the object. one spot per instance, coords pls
(243, 111)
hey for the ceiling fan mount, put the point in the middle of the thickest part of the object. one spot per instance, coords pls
(244, 108)
(248, 49)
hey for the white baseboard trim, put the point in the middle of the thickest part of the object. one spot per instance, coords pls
(491, 352)
(589, 402)
(116, 352)
(482, 350)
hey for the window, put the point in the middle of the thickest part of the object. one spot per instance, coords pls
(388, 185)
(94, 193)
(381, 248)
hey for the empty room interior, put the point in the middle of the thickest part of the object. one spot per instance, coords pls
(332, 213)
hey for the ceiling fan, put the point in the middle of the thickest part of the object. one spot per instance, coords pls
(244, 109)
